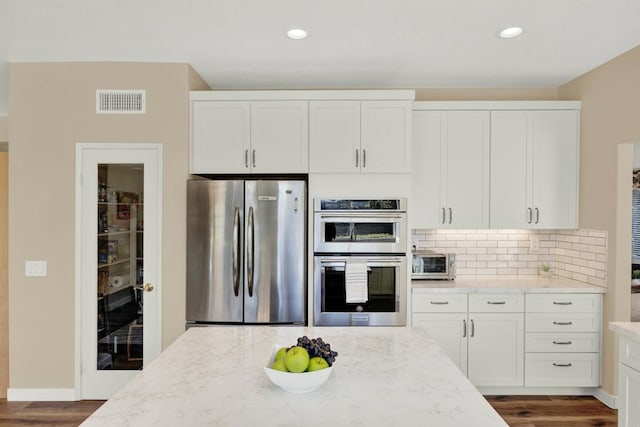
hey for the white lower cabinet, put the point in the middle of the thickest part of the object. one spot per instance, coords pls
(562, 343)
(628, 383)
(487, 346)
(516, 339)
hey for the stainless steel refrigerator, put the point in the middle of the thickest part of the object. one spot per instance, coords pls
(246, 251)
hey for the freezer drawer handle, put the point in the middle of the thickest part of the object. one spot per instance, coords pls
(562, 365)
(250, 252)
(562, 323)
(236, 250)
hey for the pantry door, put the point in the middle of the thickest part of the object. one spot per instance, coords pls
(118, 228)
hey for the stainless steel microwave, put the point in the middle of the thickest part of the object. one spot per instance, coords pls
(430, 265)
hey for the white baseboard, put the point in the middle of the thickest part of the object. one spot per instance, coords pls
(41, 394)
(606, 398)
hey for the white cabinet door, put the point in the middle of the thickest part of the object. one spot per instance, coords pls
(334, 136)
(496, 349)
(510, 173)
(386, 136)
(465, 170)
(628, 396)
(220, 137)
(279, 136)
(429, 129)
(555, 169)
(534, 169)
(449, 330)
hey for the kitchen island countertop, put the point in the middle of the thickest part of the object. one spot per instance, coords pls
(383, 376)
(630, 330)
(505, 284)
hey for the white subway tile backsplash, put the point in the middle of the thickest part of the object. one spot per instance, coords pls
(576, 254)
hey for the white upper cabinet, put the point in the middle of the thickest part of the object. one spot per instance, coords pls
(220, 136)
(349, 136)
(534, 169)
(450, 169)
(249, 137)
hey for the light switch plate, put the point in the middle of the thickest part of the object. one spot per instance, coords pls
(534, 244)
(35, 268)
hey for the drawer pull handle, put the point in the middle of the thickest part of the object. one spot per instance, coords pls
(562, 323)
(562, 302)
(563, 342)
(562, 365)
(439, 302)
(496, 302)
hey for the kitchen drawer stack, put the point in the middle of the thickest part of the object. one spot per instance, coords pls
(562, 340)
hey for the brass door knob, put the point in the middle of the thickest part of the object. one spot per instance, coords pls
(148, 287)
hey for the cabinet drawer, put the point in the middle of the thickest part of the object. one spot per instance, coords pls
(439, 303)
(496, 303)
(630, 353)
(563, 303)
(546, 342)
(562, 322)
(562, 369)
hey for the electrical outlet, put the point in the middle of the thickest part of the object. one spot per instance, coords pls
(534, 244)
(35, 268)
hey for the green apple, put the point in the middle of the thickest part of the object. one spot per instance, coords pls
(317, 363)
(296, 359)
(278, 365)
(281, 352)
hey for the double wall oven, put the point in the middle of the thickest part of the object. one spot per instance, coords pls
(360, 263)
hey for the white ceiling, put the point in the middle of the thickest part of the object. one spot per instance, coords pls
(241, 44)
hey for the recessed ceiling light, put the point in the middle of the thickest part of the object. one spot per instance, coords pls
(297, 34)
(511, 32)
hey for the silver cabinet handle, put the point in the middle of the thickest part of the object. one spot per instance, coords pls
(562, 342)
(450, 215)
(236, 250)
(439, 302)
(443, 215)
(562, 365)
(530, 215)
(364, 158)
(464, 328)
(562, 323)
(537, 215)
(254, 158)
(246, 158)
(473, 329)
(497, 302)
(250, 252)
(357, 151)
(562, 302)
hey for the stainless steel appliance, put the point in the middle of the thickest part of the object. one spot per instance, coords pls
(360, 265)
(430, 265)
(360, 225)
(246, 251)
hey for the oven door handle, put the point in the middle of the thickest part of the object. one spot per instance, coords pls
(372, 261)
(359, 215)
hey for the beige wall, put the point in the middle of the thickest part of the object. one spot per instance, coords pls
(4, 128)
(4, 286)
(610, 116)
(52, 108)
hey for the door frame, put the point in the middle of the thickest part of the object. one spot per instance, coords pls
(81, 148)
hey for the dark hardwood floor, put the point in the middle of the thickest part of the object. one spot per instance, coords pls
(553, 411)
(518, 411)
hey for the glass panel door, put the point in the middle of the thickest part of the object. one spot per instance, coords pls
(120, 311)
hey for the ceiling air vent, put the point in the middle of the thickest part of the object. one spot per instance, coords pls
(120, 101)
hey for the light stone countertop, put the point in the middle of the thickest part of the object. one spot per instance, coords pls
(630, 330)
(383, 376)
(505, 284)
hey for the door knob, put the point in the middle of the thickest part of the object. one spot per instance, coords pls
(148, 287)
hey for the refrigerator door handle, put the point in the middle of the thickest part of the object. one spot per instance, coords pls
(236, 251)
(250, 252)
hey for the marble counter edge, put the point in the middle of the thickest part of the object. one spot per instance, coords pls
(505, 284)
(630, 330)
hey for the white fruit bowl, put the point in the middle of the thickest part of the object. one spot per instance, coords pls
(303, 382)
